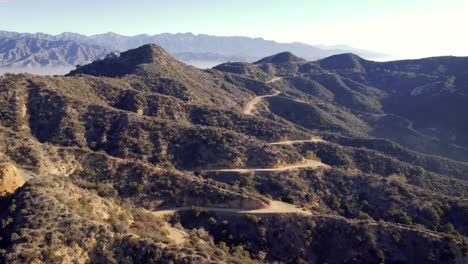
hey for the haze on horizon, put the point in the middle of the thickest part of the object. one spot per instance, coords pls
(404, 29)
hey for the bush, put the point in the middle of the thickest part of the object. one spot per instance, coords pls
(364, 216)
(197, 211)
(430, 215)
(311, 155)
(224, 247)
(449, 229)
(399, 216)
(252, 218)
(262, 231)
(288, 199)
(212, 221)
(136, 188)
(397, 179)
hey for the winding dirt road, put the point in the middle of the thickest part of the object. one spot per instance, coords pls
(307, 164)
(410, 125)
(250, 106)
(433, 138)
(275, 207)
(275, 79)
(292, 142)
(411, 128)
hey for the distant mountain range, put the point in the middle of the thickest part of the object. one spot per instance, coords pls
(34, 52)
(44, 53)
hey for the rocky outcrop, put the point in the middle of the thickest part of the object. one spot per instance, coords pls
(10, 179)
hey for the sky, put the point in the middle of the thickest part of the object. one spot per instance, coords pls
(402, 28)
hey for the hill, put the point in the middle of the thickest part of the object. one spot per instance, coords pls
(413, 102)
(139, 158)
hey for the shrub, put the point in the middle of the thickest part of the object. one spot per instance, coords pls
(136, 188)
(311, 155)
(288, 199)
(224, 247)
(399, 216)
(449, 229)
(262, 231)
(396, 237)
(397, 179)
(212, 221)
(252, 218)
(431, 216)
(197, 211)
(364, 216)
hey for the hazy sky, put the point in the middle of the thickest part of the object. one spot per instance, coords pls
(405, 28)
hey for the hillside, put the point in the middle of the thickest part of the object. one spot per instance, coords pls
(141, 158)
(414, 102)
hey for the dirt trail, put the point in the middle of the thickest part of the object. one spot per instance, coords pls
(293, 99)
(291, 142)
(410, 125)
(307, 164)
(433, 138)
(386, 224)
(248, 109)
(411, 128)
(275, 207)
(275, 79)
(250, 106)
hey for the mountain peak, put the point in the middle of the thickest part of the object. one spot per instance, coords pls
(149, 53)
(283, 57)
(129, 62)
(342, 61)
(345, 56)
(110, 34)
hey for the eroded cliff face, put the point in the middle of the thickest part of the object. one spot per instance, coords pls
(10, 179)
